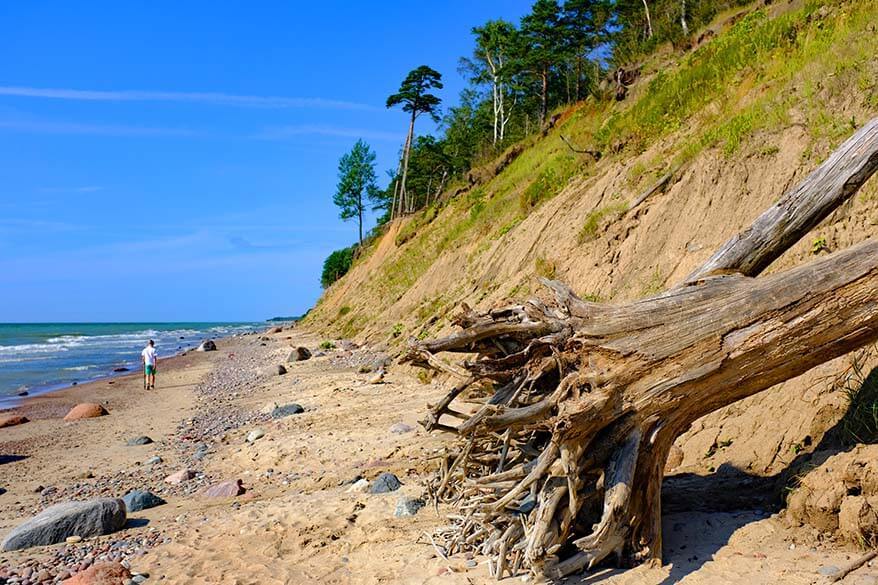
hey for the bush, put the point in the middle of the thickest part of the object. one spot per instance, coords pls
(337, 265)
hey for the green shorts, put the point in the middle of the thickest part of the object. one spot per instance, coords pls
(149, 370)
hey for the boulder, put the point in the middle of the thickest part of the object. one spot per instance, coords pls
(180, 476)
(119, 370)
(12, 420)
(299, 354)
(281, 370)
(406, 506)
(207, 345)
(287, 410)
(275, 330)
(385, 483)
(268, 408)
(361, 486)
(225, 489)
(138, 500)
(86, 410)
(56, 523)
(141, 440)
(100, 574)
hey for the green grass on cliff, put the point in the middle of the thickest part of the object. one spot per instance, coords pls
(763, 73)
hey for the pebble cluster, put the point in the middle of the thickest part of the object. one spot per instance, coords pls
(69, 559)
(229, 380)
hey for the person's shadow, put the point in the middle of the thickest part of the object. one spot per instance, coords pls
(719, 504)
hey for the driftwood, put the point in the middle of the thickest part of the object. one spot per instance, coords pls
(561, 465)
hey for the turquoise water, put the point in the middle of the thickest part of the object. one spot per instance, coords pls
(39, 357)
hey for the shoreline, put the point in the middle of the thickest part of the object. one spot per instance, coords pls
(13, 403)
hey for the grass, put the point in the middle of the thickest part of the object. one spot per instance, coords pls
(599, 218)
(860, 387)
(548, 182)
(545, 267)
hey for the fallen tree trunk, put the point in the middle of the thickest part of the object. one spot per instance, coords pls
(561, 466)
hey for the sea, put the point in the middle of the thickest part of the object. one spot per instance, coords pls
(41, 357)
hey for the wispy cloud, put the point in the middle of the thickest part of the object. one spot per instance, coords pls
(48, 127)
(220, 99)
(281, 132)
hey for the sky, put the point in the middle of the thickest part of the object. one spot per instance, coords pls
(175, 161)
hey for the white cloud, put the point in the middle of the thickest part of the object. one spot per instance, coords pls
(222, 99)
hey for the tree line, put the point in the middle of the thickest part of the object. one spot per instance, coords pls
(556, 55)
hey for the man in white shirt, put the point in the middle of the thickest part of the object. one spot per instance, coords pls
(149, 359)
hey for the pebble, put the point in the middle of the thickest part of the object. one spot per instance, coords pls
(141, 440)
(255, 435)
(400, 428)
(828, 570)
(154, 460)
(361, 486)
(406, 506)
(384, 483)
(74, 539)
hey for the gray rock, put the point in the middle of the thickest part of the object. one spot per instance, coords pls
(287, 410)
(384, 483)
(154, 460)
(828, 570)
(281, 370)
(141, 500)
(406, 506)
(56, 523)
(400, 428)
(207, 345)
(201, 452)
(299, 354)
(138, 579)
(141, 440)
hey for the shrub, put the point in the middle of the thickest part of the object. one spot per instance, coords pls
(337, 265)
(545, 267)
(325, 345)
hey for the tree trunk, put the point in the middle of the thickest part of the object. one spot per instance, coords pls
(562, 465)
(405, 165)
(683, 23)
(544, 97)
(648, 20)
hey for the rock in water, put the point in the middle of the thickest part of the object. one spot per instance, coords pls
(406, 506)
(299, 354)
(100, 574)
(141, 500)
(86, 410)
(384, 483)
(225, 489)
(180, 477)
(281, 370)
(255, 435)
(287, 410)
(56, 523)
(141, 440)
(12, 420)
(121, 370)
(207, 345)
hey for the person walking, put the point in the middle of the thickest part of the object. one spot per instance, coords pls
(150, 361)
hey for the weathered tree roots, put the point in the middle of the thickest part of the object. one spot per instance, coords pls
(578, 404)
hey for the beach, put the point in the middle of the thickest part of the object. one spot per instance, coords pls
(300, 519)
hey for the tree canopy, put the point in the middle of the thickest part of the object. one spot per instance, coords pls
(356, 182)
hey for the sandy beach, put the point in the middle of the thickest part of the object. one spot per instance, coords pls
(299, 520)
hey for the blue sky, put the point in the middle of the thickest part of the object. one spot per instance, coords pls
(176, 160)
